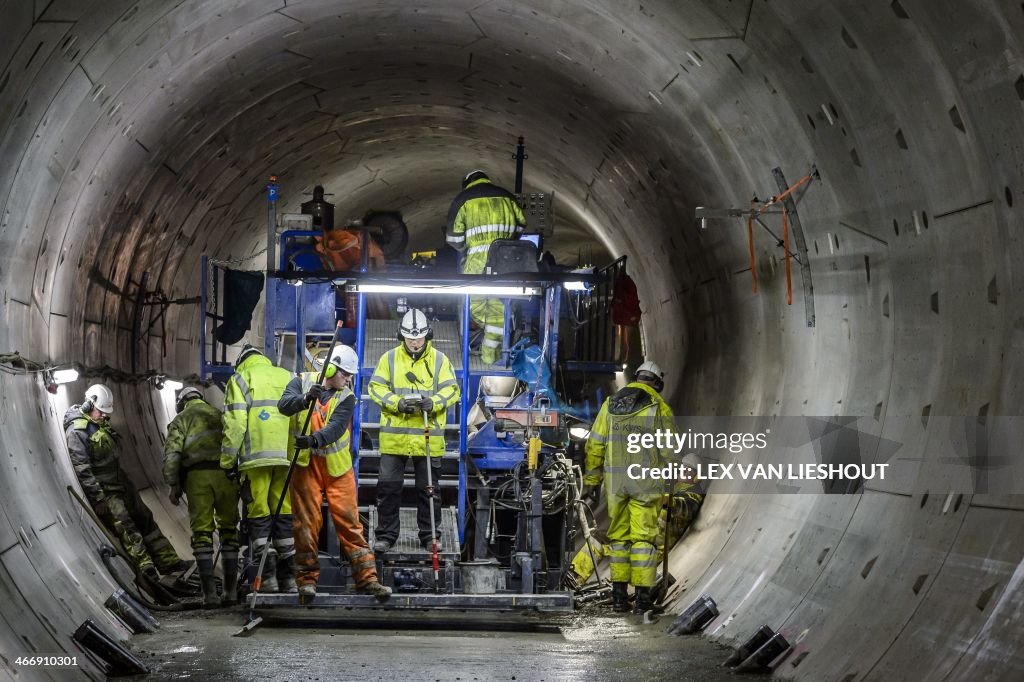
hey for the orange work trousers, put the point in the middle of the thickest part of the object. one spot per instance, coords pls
(309, 485)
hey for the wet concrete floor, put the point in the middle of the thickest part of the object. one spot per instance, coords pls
(592, 646)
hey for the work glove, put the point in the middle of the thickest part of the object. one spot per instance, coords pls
(175, 495)
(408, 405)
(232, 473)
(686, 505)
(419, 403)
(102, 508)
(305, 442)
(314, 393)
(590, 494)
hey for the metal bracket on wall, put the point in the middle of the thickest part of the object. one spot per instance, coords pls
(144, 298)
(788, 212)
(801, 243)
(140, 296)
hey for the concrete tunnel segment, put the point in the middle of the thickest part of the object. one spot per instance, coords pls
(136, 136)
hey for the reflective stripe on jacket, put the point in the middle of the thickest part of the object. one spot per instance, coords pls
(339, 452)
(402, 434)
(256, 434)
(480, 214)
(193, 436)
(637, 408)
(93, 450)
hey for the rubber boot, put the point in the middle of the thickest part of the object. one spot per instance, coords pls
(286, 574)
(268, 584)
(644, 600)
(620, 597)
(307, 593)
(380, 592)
(204, 565)
(150, 572)
(229, 564)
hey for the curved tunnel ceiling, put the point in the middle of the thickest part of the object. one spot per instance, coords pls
(137, 136)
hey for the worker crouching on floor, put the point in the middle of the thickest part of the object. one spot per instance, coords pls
(633, 506)
(256, 439)
(192, 467)
(93, 446)
(410, 380)
(324, 468)
(481, 213)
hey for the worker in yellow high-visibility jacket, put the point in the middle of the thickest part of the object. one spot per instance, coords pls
(633, 506)
(256, 438)
(480, 214)
(412, 379)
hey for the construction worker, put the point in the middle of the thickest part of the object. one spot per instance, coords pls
(192, 467)
(480, 214)
(633, 505)
(686, 498)
(327, 473)
(256, 439)
(93, 446)
(409, 380)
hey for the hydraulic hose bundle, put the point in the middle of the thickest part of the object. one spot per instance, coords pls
(558, 490)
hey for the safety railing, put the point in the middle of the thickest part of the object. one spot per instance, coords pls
(596, 344)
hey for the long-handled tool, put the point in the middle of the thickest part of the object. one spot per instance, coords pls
(661, 589)
(257, 581)
(434, 560)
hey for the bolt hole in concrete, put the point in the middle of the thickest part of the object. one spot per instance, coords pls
(592, 646)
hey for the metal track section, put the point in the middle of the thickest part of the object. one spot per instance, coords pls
(552, 601)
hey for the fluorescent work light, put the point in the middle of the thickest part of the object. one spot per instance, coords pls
(65, 376)
(510, 291)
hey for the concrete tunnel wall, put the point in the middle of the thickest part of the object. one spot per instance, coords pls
(135, 136)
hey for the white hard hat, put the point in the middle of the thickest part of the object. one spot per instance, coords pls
(99, 397)
(346, 360)
(247, 350)
(691, 460)
(414, 325)
(651, 368)
(187, 394)
(474, 175)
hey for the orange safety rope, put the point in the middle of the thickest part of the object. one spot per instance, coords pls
(785, 235)
(780, 197)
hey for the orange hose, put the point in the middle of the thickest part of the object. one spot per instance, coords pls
(785, 232)
(785, 242)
